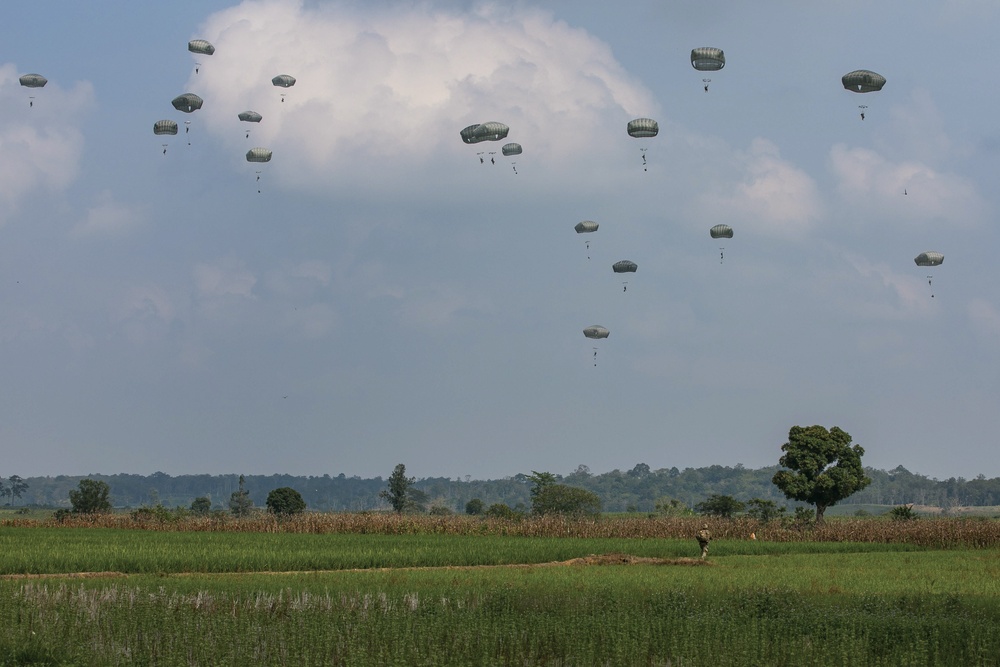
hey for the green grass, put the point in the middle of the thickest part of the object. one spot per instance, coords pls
(208, 599)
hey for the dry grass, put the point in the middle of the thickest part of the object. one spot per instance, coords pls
(928, 532)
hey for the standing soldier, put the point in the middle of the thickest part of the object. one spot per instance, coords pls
(704, 537)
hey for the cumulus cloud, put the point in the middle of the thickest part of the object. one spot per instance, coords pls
(225, 278)
(42, 145)
(386, 91)
(763, 188)
(867, 176)
(108, 217)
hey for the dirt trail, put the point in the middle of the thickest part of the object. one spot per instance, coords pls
(593, 559)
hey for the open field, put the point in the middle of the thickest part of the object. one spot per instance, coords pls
(217, 597)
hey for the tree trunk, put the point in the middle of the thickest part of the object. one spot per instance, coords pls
(820, 511)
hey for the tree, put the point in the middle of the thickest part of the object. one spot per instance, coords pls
(568, 500)
(475, 507)
(540, 480)
(721, 506)
(399, 486)
(822, 467)
(240, 503)
(17, 487)
(201, 505)
(764, 510)
(285, 501)
(90, 497)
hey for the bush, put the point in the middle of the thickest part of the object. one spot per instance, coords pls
(720, 506)
(440, 510)
(566, 500)
(902, 513)
(285, 501)
(90, 497)
(502, 511)
(475, 507)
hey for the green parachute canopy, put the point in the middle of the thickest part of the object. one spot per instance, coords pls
(201, 46)
(863, 81)
(624, 266)
(165, 127)
(586, 226)
(929, 259)
(250, 117)
(511, 149)
(283, 80)
(708, 59)
(258, 154)
(33, 81)
(642, 128)
(721, 232)
(596, 331)
(188, 102)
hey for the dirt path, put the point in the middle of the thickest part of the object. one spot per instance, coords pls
(593, 559)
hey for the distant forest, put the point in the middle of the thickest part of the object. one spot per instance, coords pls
(638, 489)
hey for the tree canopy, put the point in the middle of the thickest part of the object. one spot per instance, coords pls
(285, 501)
(822, 468)
(90, 497)
(399, 486)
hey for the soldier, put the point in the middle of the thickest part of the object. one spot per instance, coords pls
(704, 537)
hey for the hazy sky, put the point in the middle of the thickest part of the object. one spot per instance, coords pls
(388, 299)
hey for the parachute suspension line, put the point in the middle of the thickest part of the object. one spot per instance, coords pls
(931, 286)
(595, 357)
(588, 249)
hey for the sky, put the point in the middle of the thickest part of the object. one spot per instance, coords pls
(386, 298)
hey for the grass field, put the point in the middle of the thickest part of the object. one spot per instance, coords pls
(379, 598)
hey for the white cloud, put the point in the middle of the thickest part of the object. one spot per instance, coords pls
(907, 191)
(386, 93)
(226, 278)
(42, 145)
(764, 189)
(108, 217)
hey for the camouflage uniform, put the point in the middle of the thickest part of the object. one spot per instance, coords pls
(704, 537)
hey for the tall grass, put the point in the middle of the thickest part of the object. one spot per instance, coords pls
(927, 532)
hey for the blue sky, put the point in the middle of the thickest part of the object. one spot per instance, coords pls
(387, 299)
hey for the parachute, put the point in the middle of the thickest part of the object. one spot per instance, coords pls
(162, 127)
(596, 331)
(488, 131)
(201, 46)
(721, 232)
(863, 81)
(929, 258)
(250, 117)
(624, 266)
(511, 149)
(188, 102)
(586, 227)
(707, 59)
(165, 127)
(258, 154)
(33, 81)
(643, 128)
(283, 81)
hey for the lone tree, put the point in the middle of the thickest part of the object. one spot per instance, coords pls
(240, 503)
(285, 501)
(399, 485)
(90, 497)
(201, 505)
(719, 505)
(550, 497)
(823, 467)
